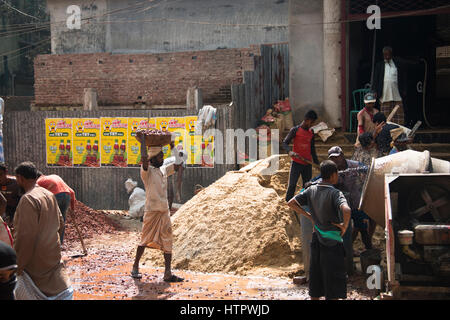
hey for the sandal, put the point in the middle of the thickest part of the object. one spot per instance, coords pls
(135, 274)
(174, 278)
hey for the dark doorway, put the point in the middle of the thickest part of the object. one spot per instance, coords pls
(416, 40)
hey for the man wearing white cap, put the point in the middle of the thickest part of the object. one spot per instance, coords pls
(157, 227)
(365, 116)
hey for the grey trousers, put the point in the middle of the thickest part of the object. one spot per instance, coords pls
(307, 230)
(63, 200)
(306, 236)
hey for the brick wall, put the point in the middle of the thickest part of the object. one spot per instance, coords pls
(126, 79)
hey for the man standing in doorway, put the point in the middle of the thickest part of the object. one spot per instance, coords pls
(304, 149)
(389, 83)
(157, 227)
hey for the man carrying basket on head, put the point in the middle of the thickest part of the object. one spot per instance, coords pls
(157, 227)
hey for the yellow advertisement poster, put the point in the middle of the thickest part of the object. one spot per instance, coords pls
(200, 149)
(110, 141)
(162, 123)
(134, 147)
(86, 142)
(177, 126)
(193, 142)
(114, 133)
(58, 136)
(208, 152)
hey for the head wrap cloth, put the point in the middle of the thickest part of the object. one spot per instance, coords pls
(153, 151)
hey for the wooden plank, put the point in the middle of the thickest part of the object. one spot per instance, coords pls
(241, 107)
(255, 90)
(247, 102)
(274, 75)
(280, 67)
(262, 108)
(236, 102)
(286, 79)
(267, 77)
(252, 113)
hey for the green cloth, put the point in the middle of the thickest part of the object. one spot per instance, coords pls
(333, 235)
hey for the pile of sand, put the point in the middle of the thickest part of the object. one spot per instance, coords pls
(239, 224)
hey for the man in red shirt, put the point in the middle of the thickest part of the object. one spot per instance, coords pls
(64, 195)
(304, 148)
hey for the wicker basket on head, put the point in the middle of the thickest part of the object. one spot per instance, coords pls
(156, 138)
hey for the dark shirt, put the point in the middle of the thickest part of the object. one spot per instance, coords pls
(12, 192)
(291, 135)
(8, 260)
(383, 139)
(350, 183)
(325, 203)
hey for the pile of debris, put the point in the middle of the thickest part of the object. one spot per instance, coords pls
(90, 222)
(239, 224)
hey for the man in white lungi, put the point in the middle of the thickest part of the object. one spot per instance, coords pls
(157, 227)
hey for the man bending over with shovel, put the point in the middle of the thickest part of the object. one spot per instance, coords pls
(303, 153)
(157, 227)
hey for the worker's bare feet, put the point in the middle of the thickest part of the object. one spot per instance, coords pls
(173, 278)
(135, 273)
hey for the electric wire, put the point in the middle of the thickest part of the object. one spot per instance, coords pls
(26, 52)
(404, 14)
(49, 23)
(22, 48)
(17, 10)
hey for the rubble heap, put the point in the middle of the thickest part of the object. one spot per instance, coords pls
(90, 222)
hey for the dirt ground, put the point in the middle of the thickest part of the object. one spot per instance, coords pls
(104, 274)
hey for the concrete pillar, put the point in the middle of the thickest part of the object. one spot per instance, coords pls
(190, 99)
(90, 99)
(194, 98)
(198, 98)
(332, 62)
(305, 57)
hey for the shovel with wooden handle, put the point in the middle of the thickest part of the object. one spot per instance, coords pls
(414, 129)
(392, 114)
(307, 161)
(79, 235)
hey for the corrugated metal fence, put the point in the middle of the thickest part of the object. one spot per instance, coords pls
(99, 188)
(263, 87)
